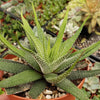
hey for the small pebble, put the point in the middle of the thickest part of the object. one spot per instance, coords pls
(90, 64)
(48, 97)
(15, 43)
(63, 94)
(61, 90)
(19, 47)
(48, 92)
(10, 74)
(56, 95)
(53, 96)
(27, 97)
(59, 94)
(5, 72)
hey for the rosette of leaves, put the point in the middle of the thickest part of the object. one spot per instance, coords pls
(92, 9)
(93, 83)
(45, 63)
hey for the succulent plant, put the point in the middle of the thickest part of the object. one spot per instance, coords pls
(69, 30)
(92, 83)
(92, 9)
(95, 97)
(46, 64)
(2, 46)
(74, 18)
(9, 27)
(45, 9)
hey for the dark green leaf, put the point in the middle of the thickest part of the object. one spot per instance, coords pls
(21, 78)
(66, 46)
(82, 74)
(69, 87)
(37, 88)
(56, 47)
(21, 53)
(12, 66)
(17, 89)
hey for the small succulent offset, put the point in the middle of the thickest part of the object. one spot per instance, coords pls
(69, 30)
(92, 83)
(95, 97)
(92, 9)
(46, 63)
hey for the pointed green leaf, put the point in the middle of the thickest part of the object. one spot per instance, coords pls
(55, 49)
(45, 68)
(26, 49)
(62, 76)
(21, 78)
(36, 41)
(82, 74)
(21, 53)
(55, 64)
(69, 87)
(47, 53)
(30, 40)
(82, 64)
(37, 88)
(66, 46)
(12, 66)
(65, 64)
(39, 29)
(91, 50)
(17, 89)
(88, 51)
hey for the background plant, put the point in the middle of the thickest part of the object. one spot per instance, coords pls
(74, 18)
(9, 27)
(95, 97)
(44, 8)
(92, 9)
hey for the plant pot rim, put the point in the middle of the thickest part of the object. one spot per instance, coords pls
(14, 97)
(60, 98)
